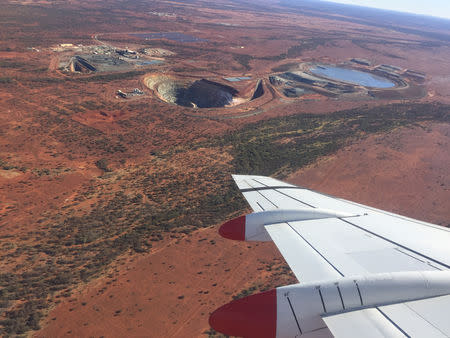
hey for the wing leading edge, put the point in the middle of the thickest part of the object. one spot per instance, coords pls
(350, 240)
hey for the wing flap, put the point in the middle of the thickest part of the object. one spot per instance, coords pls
(368, 323)
(326, 248)
(246, 181)
(258, 202)
(304, 261)
(354, 251)
(435, 311)
(422, 318)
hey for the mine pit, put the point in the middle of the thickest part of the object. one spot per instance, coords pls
(105, 58)
(79, 64)
(201, 93)
(259, 90)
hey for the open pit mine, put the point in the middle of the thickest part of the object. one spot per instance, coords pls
(347, 79)
(228, 95)
(201, 93)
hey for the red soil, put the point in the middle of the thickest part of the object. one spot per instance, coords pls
(167, 293)
(171, 291)
(60, 122)
(404, 171)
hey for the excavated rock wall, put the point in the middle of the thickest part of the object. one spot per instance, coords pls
(202, 93)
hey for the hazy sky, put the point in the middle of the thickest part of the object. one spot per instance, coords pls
(440, 8)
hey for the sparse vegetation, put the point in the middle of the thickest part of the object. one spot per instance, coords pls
(243, 60)
(5, 80)
(247, 292)
(278, 146)
(102, 164)
(166, 174)
(177, 199)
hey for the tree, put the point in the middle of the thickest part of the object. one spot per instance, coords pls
(103, 165)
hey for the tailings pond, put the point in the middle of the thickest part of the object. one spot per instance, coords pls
(352, 76)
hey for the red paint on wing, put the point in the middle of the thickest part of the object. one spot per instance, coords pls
(252, 316)
(234, 229)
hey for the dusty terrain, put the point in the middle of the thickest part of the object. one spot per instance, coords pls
(404, 171)
(159, 294)
(109, 206)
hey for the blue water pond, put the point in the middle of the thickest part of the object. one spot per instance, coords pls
(352, 76)
(237, 78)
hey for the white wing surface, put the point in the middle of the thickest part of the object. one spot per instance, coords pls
(364, 242)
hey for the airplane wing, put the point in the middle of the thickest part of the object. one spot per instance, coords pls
(363, 272)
